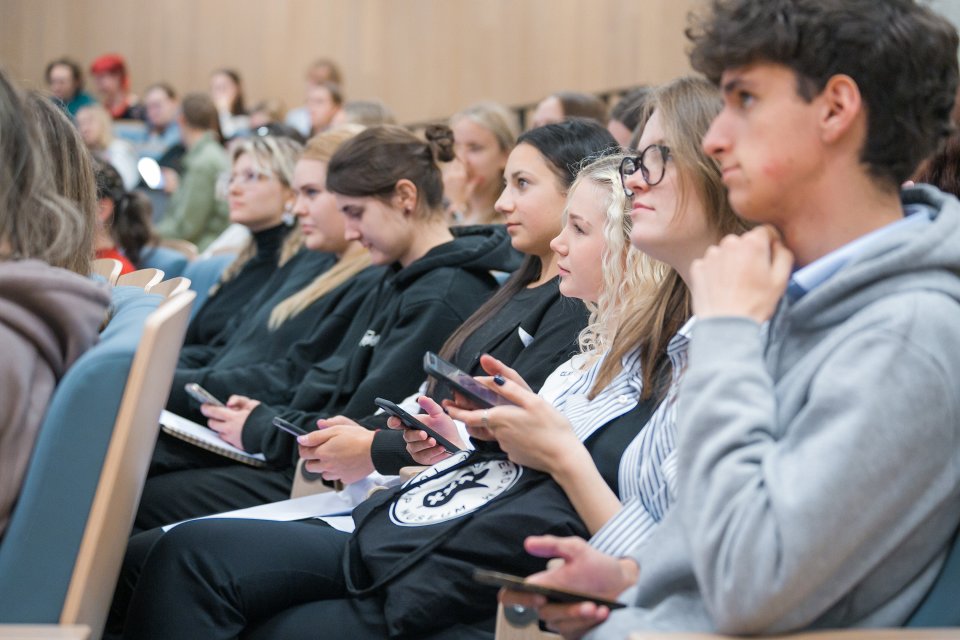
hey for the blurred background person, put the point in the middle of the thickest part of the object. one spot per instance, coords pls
(163, 130)
(123, 219)
(559, 106)
(113, 88)
(94, 122)
(319, 72)
(65, 81)
(367, 113)
(323, 103)
(483, 137)
(226, 91)
(194, 212)
(626, 115)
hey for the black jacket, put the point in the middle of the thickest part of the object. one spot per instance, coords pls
(269, 364)
(232, 296)
(295, 274)
(551, 323)
(413, 310)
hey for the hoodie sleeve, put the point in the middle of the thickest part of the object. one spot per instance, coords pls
(768, 492)
(392, 373)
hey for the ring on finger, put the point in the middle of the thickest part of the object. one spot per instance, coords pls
(485, 419)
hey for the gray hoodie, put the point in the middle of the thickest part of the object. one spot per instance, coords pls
(819, 470)
(48, 318)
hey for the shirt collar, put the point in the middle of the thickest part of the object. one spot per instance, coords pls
(819, 271)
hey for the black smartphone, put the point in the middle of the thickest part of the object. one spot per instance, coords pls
(460, 380)
(289, 427)
(201, 395)
(410, 422)
(516, 583)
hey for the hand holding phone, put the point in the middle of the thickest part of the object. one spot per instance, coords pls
(516, 583)
(201, 395)
(289, 427)
(409, 422)
(462, 382)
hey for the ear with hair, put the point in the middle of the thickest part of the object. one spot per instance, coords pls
(842, 108)
(405, 196)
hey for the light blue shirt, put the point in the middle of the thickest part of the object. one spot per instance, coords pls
(819, 271)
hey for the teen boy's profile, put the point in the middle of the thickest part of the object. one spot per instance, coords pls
(819, 452)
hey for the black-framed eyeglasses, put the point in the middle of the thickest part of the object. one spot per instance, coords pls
(652, 164)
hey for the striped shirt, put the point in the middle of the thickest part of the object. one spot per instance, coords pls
(647, 474)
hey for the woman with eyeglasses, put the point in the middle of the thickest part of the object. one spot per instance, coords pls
(679, 209)
(258, 191)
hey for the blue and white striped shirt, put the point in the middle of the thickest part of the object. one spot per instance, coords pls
(647, 474)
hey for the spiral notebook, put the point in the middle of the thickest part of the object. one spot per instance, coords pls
(201, 436)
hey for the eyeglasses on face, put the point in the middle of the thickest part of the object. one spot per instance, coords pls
(243, 178)
(651, 162)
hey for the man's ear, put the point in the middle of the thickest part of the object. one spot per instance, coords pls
(405, 196)
(842, 108)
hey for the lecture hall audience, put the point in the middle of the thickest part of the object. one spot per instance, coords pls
(723, 504)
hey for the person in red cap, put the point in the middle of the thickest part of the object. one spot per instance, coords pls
(109, 73)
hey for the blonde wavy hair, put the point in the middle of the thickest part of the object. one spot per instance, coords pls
(354, 260)
(627, 274)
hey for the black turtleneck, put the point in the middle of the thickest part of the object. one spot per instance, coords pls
(235, 294)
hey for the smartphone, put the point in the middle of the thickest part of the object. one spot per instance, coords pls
(516, 583)
(201, 395)
(289, 427)
(410, 422)
(460, 380)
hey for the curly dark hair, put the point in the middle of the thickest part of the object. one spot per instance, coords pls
(902, 56)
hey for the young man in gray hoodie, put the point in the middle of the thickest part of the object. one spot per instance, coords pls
(819, 451)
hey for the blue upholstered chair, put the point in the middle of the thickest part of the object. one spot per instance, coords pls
(170, 261)
(204, 273)
(62, 551)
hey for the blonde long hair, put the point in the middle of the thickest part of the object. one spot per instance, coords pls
(352, 262)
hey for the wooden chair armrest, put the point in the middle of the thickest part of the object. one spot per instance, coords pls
(44, 632)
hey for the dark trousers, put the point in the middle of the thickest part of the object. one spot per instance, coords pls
(186, 482)
(216, 579)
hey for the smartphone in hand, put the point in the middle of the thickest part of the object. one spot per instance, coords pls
(201, 395)
(516, 583)
(410, 422)
(461, 381)
(289, 427)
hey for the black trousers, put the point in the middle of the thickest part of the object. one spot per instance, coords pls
(215, 579)
(186, 482)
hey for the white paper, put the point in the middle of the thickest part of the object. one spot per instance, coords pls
(178, 423)
(330, 506)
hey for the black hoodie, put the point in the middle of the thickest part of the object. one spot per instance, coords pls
(296, 273)
(413, 310)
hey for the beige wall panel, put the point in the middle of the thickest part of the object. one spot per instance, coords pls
(424, 58)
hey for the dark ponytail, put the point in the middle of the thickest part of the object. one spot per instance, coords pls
(130, 226)
(371, 163)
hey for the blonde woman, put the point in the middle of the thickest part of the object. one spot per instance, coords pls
(258, 191)
(483, 135)
(96, 129)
